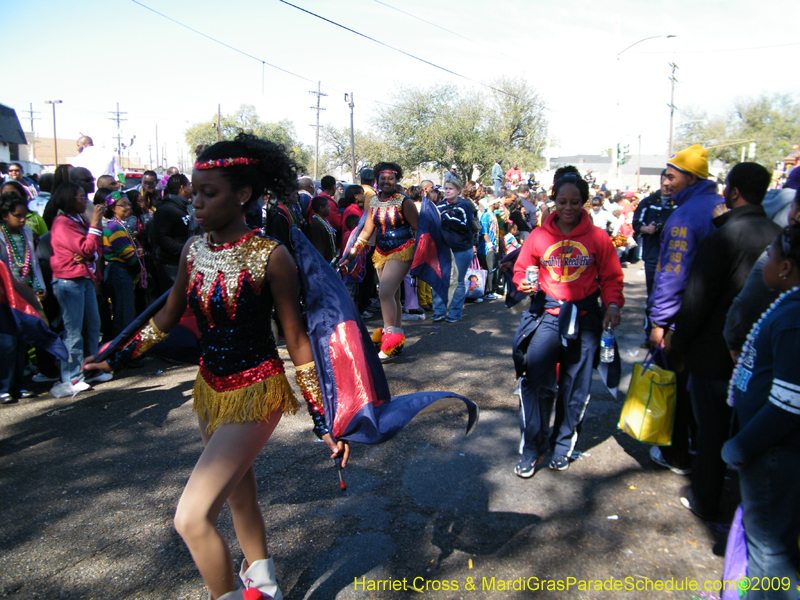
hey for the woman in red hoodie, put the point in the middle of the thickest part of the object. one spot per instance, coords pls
(76, 246)
(577, 268)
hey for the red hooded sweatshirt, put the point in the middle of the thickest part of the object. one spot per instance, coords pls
(572, 267)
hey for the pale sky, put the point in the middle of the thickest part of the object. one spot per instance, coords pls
(92, 54)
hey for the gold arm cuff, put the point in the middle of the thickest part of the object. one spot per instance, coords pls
(149, 337)
(307, 380)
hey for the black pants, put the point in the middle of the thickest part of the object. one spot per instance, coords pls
(713, 415)
(684, 428)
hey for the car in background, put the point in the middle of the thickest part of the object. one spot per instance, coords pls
(132, 179)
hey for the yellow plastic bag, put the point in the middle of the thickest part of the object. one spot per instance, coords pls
(649, 410)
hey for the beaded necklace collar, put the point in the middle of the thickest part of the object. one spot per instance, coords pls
(750, 340)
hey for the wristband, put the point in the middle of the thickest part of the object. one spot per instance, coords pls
(147, 337)
(358, 247)
(308, 381)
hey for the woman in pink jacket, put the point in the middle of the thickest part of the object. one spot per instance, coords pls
(76, 246)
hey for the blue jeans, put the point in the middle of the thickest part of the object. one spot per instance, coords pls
(81, 323)
(12, 364)
(462, 259)
(497, 184)
(120, 291)
(770, 485)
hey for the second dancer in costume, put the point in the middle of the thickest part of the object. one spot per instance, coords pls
(393, 217)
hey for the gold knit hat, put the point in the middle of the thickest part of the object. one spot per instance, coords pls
(693, 159)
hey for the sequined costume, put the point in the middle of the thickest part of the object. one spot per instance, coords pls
(395, 238)
(241, 378)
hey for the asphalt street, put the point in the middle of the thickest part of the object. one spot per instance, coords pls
(88, 487)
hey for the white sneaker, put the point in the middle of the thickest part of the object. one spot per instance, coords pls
(366, 314)
(100, 377)
(413, 317)
(42, 378)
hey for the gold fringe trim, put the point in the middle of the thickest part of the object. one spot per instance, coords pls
(406, 255)
(248, 404)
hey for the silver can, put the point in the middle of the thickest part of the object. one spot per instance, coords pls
(532, 275)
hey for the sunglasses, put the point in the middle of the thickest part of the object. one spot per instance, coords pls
(14, 171)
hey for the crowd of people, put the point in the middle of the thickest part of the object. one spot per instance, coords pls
(719, 306)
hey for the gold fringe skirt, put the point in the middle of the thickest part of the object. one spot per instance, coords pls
(406, 254)
(249, 404)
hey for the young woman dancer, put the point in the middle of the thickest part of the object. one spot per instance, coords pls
(394, 217)
(231, 277)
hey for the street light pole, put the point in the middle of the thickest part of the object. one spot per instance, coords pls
(351, 104)
(614, 149)
(55, 137)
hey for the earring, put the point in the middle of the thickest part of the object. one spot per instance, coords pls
(241, 203)
(782, 275)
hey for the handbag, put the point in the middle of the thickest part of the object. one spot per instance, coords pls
(649, 410)
(475, 280)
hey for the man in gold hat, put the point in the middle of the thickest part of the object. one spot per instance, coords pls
(698, 204)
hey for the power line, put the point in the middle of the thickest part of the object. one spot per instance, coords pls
(445, 29)
(205, 35)
(422, 60)
(242, 52)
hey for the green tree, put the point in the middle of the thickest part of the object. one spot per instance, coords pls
(370, 148)
(771, 122)
(246, 119)
(437, 127)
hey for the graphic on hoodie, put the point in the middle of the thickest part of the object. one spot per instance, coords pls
(573, 264)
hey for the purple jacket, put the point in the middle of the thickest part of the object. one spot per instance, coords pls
(692, 221)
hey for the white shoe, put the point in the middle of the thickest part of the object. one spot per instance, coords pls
(99, 377)
(261, 576)
(366, 315)
(42, 378)
(658, 458)
(413, 317)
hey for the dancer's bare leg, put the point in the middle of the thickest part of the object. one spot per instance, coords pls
(226, 460)
(248, 521)
(391, 277)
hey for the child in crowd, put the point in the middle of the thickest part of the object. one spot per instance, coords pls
(321, 233)
(765, 391)
(16, 251)
(510, 238)
(352, 281)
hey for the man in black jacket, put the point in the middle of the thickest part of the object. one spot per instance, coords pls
(172, 226)
(719, 272)
(648, 221)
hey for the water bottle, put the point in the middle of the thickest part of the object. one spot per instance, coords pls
(607, 345)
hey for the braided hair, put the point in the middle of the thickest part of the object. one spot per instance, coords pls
(788, 243)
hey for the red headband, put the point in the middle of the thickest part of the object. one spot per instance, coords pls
(225, 162)
(387, 171)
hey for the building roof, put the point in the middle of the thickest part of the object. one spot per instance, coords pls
(10, 129)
